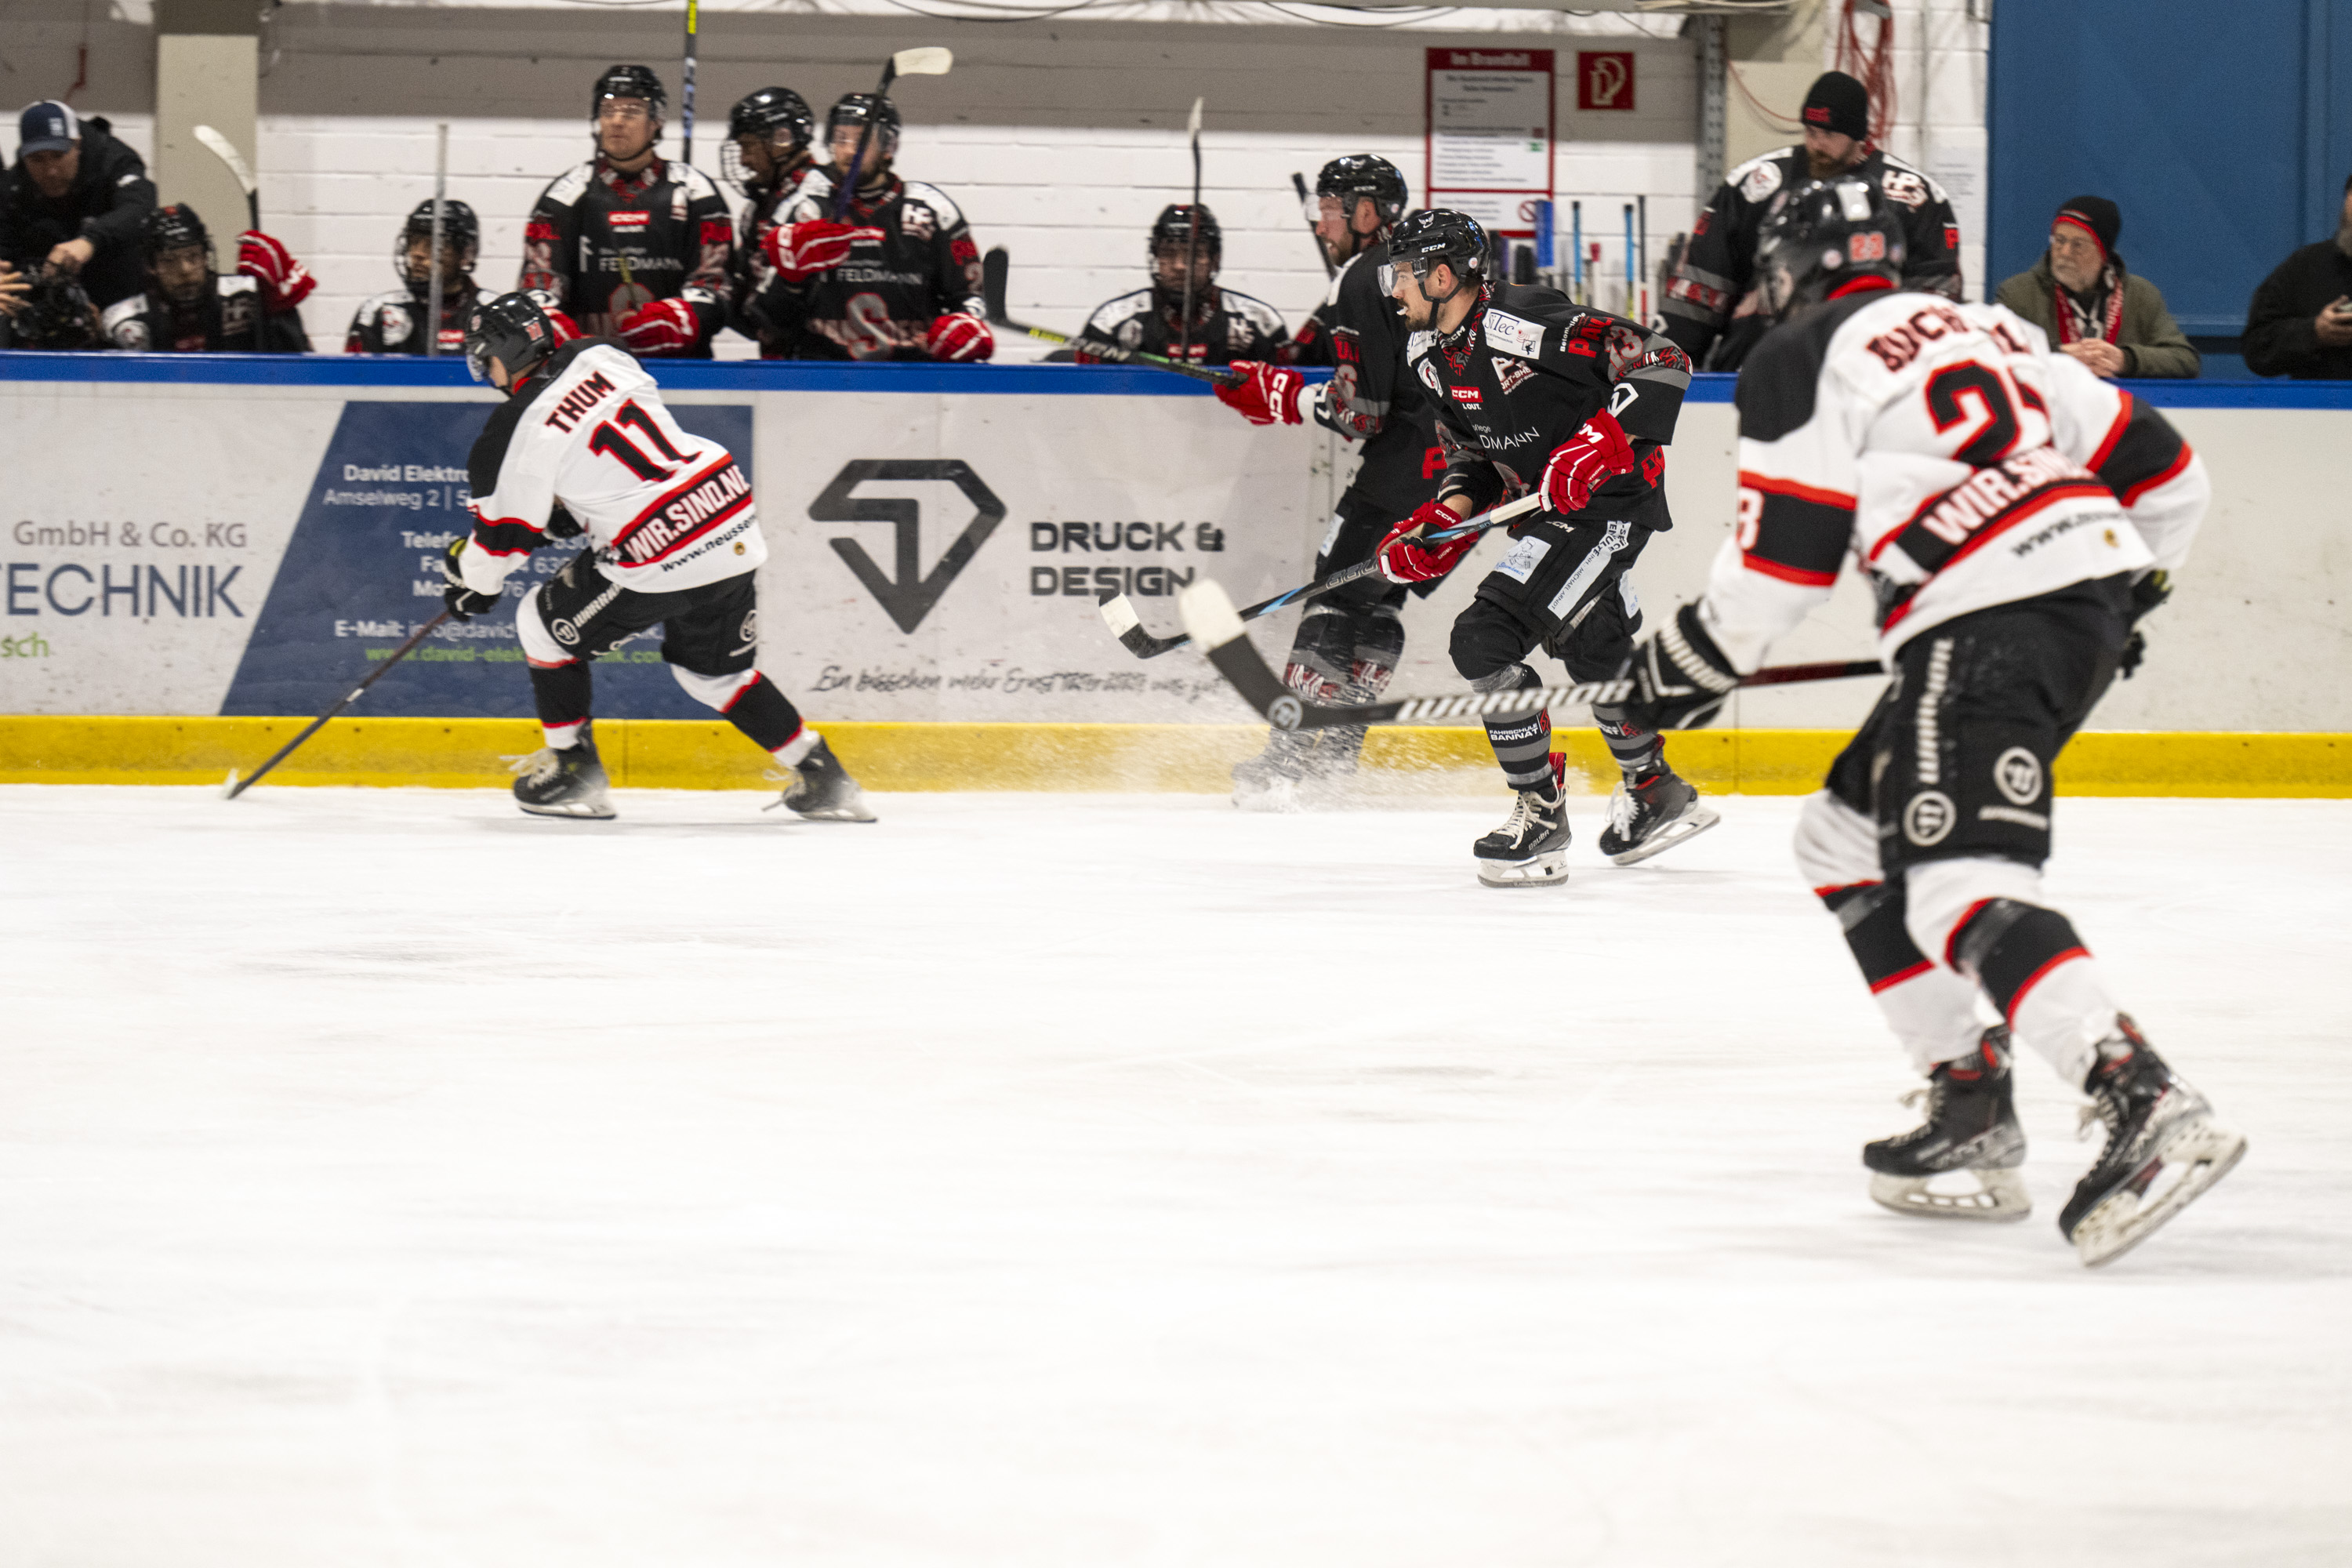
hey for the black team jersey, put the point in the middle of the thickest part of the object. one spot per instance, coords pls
(395, 321)
(748, 275)
(603, 243)
(1227, 325)
(226, 317)
(881, 302)
(1373, 398)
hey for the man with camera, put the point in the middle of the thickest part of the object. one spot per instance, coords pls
(75, 204)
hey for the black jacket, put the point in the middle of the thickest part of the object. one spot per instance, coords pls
(2280, 337)
(1372, 397)
(1711, 304)
(108, 206)
(1525, 372)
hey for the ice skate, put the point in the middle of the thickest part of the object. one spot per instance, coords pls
(1653, 817)
(2163, 1149)
(821, 789)
(1530, 849)
(1971, 1132)
(1269, 781)
(564, 781)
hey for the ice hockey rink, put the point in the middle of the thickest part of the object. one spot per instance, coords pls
(1085, 1181)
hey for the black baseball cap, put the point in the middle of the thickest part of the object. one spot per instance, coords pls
(48, 126)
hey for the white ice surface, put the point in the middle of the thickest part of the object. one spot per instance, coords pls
(1088, 1182)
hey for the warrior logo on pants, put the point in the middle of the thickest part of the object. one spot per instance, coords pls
(1929, 817)
(2017, 774)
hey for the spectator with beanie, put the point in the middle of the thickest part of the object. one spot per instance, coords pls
(2300, 323)
(76, 203)
(1712, 307)
(2088, 306)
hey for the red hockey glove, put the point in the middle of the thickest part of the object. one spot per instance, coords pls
(661, 327)
(802, 250)
(285, 283)
(956, 336)
(1405, 558)
(1596, 454)
(566, 329)
(1267, 394)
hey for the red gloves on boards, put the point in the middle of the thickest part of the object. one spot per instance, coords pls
(285, 283)
(566, 329)
(956, 336)
(1267, 394)
(660, 327)
(1405, 558)
(1596, 454)
(799, 251)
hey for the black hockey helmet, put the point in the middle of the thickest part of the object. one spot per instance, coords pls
(1437, 234)
(1822, 237)
(512, 329)
(460, 231)
(1361, 174)
(1174, 225)
(175, 227)
(858, 109)
(631, 81)
(767, 115)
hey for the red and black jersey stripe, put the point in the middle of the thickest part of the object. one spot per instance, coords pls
(1793, 531)
(2140, 451)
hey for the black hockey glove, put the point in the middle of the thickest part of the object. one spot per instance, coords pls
(1680, 678)
(463, 602)
(561, 524)
(2146, 595)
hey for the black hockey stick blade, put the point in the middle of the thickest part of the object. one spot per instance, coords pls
(237, 787)
(1118, 613)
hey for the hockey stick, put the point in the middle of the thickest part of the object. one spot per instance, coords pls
(931, 61)
(685, 94)
(994, 268)
(225, 151)
(1210, 617)
(1191, 242)
(237, 787)
(1298, 184)
(1119, 614)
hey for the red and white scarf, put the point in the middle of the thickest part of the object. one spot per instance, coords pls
(2101, 316)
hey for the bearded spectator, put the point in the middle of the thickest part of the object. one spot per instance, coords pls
(2090, 306)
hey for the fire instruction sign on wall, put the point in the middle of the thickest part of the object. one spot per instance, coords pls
(1489, 134)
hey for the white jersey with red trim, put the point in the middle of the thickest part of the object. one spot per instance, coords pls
(663, 509)
(1952, 456)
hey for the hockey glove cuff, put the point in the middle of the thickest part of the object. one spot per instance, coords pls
(1266, 394)
(463, 602)
(561, 524)
(1406, 558)
(661, 327)
(1596, 454)
(799, 251)
(1681, 678)
(285, 283)
(959, 338)
(566, 329)
(2147, 593)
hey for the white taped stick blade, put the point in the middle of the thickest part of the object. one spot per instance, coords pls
(1120, 616)
(225, 151)
(924, 61)
(1208, 612)
(1192, 127)
(229, 785)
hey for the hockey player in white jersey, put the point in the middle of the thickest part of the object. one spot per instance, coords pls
(2015, 516)
(583, 444)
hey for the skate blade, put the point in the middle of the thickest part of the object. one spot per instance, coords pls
(580, 810)
(1690, 825)
(2194, 1156)
(1542, 871)
(1274, 800)
(834, 813)
(2000, 1197)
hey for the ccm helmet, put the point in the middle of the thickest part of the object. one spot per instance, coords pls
(1437, 234)
(1826, 235)
(177, 228)
(513, 329)
(631, 81)
(773, 114)
(1361, 175)
(460, 231)
(860, 109)
(1175, 234)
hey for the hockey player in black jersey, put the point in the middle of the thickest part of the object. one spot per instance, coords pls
(897, 277)
(1534, 391)
(583, 444)
(189, 308)
(770, 155)
(629, 244)
(1349, 642)
(1225, 324)
(397, 322)
(1712, 307)
(2015, 516)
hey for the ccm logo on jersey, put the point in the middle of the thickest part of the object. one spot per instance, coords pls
(682, 517)
(1469, 394)
(578, 401)
(626, 222)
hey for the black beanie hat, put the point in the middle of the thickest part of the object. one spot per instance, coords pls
(2099, 216)
(1837, 102)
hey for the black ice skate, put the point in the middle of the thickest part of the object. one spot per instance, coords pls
(821, 790)
(1653, 817)
(1972, 1130)
(569, 782)
(2163, 1149)
(1530, 849)
(1269, 781)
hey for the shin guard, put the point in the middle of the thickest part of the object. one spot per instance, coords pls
(561, 693)
(1931, 1010)
(2036, 970)
(765, 714)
